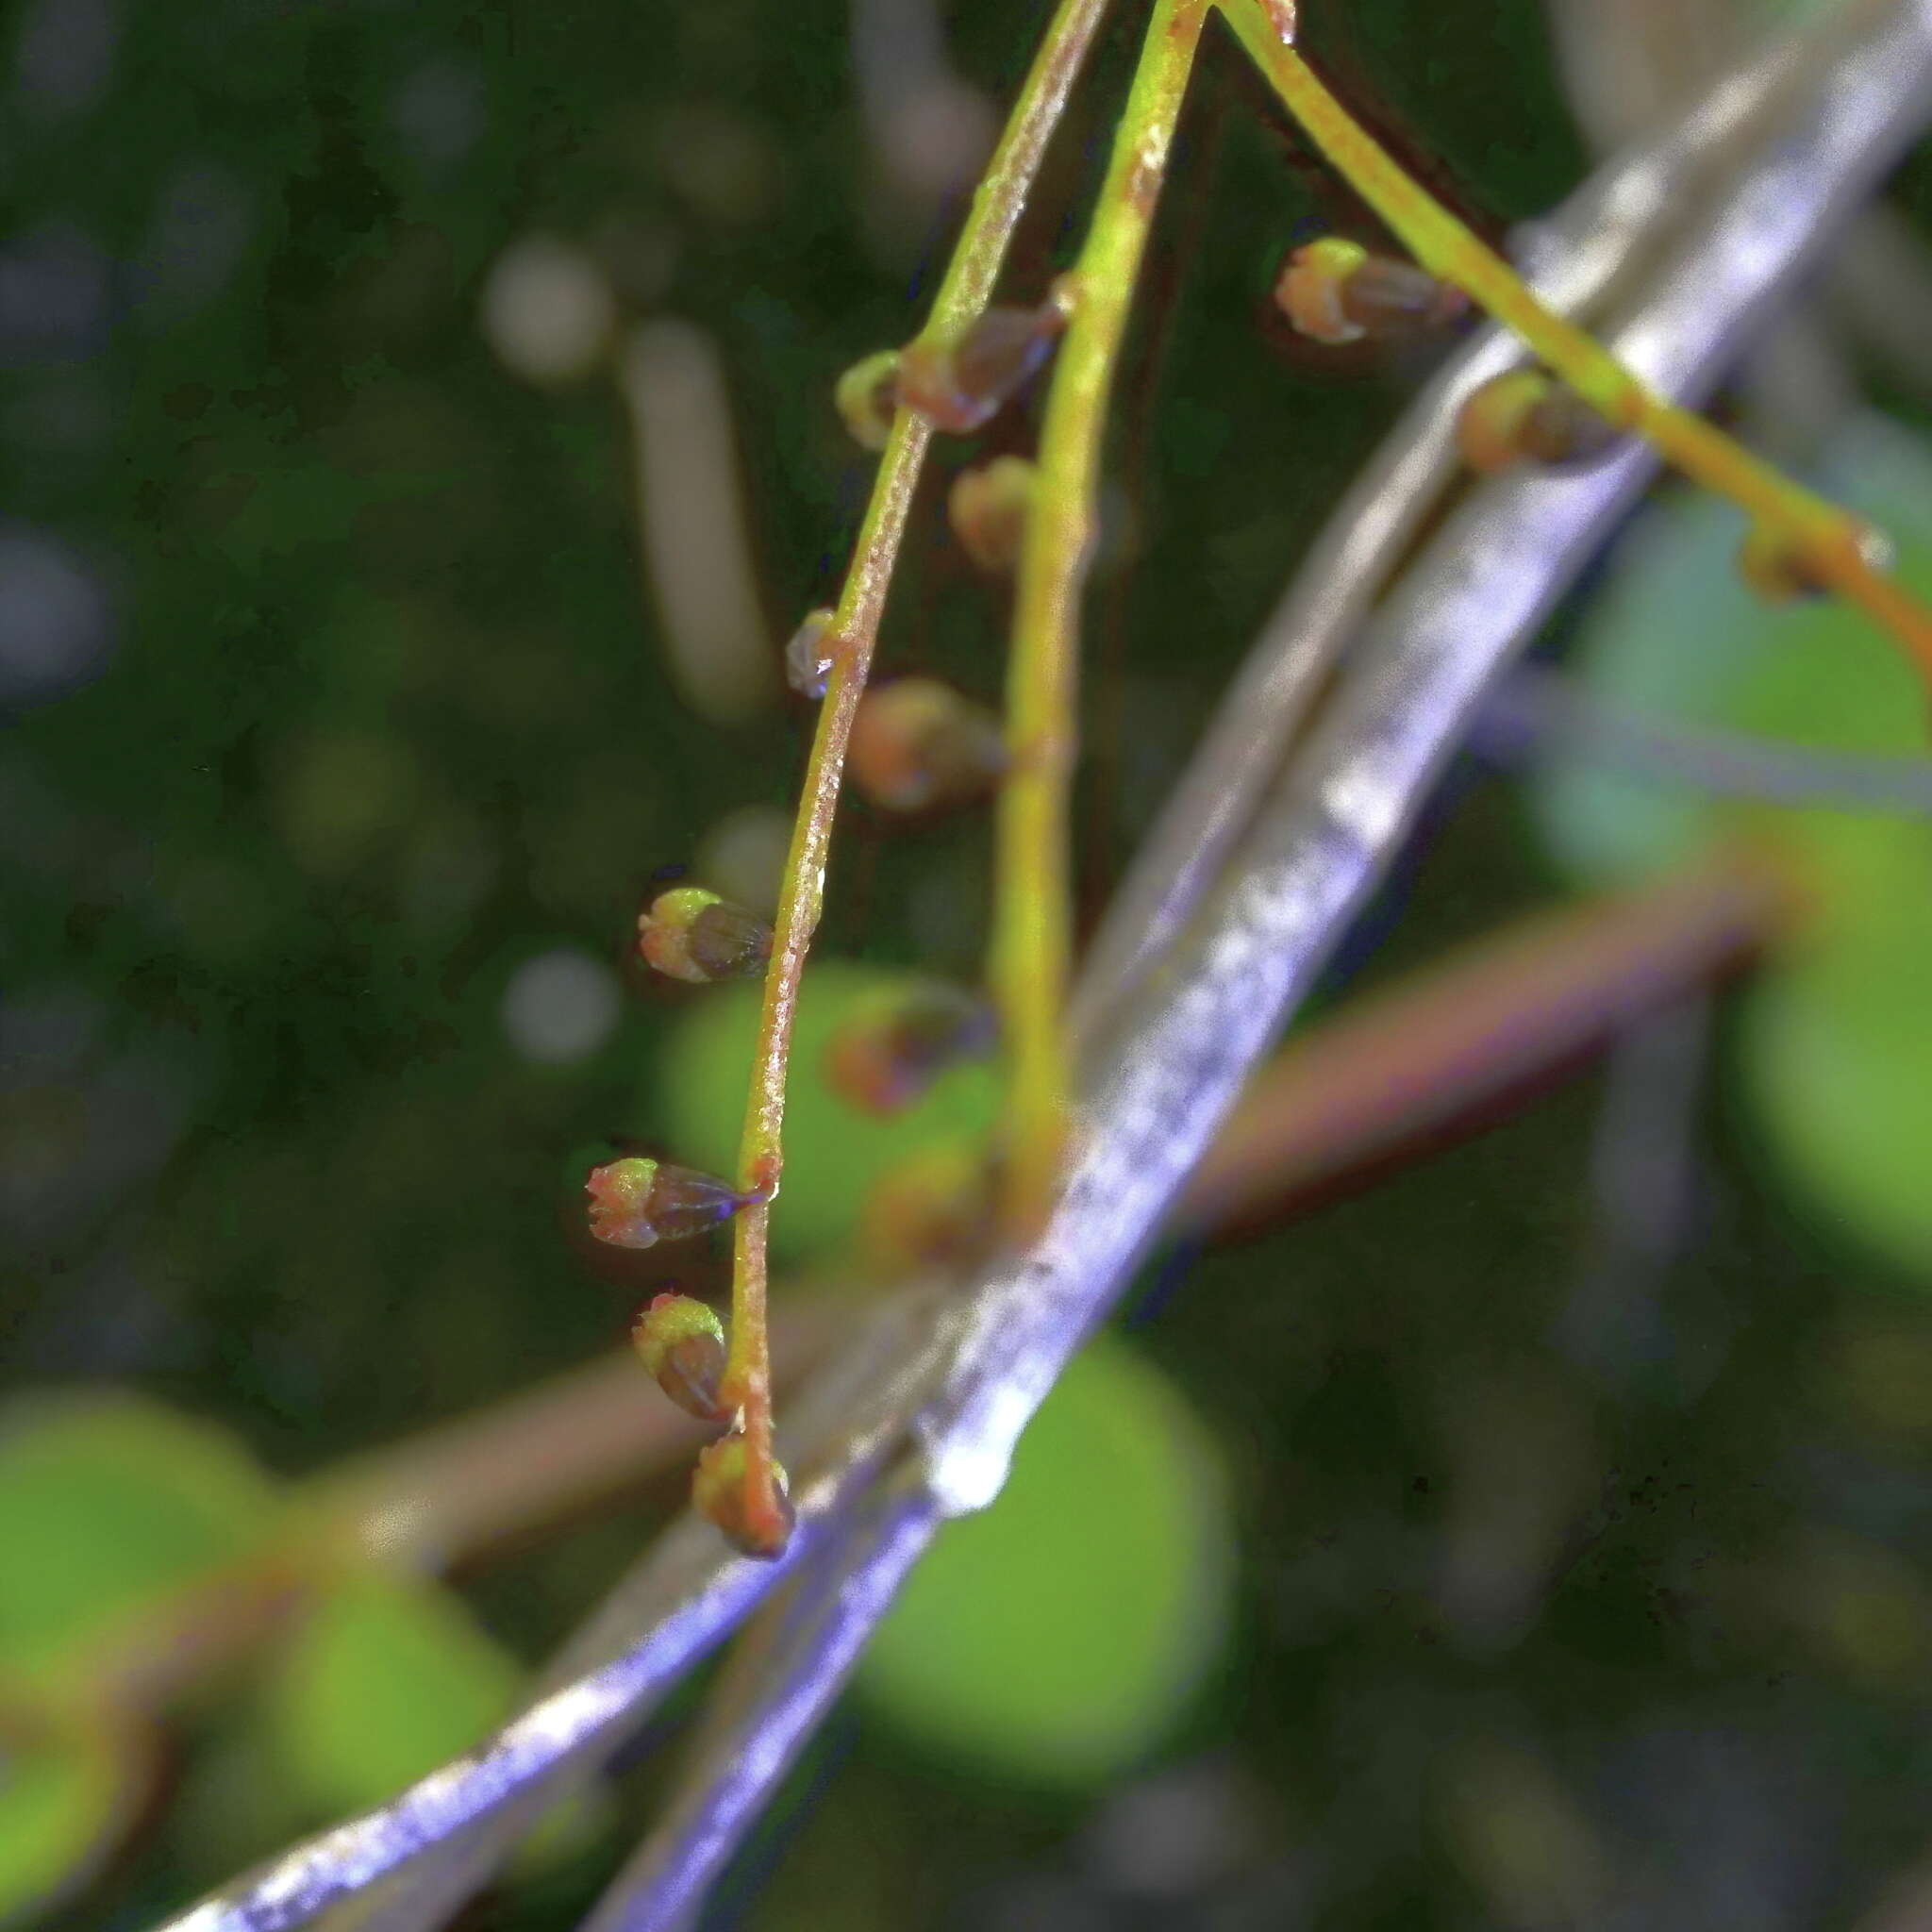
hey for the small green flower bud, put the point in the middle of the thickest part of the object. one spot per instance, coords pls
(918, 744)
(1527, 415)
(694, 935)
(884, 1057)
(720, 1491)
(989, 508)
(681, 1343)
(867, 396)
(1333, 290)
(637, 1203)
(808, 658)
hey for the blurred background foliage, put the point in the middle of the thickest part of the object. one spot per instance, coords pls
(1514, 1542)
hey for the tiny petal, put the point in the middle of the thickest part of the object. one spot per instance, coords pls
(959, 385)
(918, 744)
(867, 396)
(808, 658)
(718, 1489)
(681, 1344)
(694, 935)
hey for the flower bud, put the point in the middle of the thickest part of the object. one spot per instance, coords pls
(916, 744)
(989, 508)
(956, 385)
(808, 658)
(719, 1490)
(1335, 291)
(866, 397)
(681, 1343)
(1527, 415)
(1773, 564)
(694, 935)
(928, 1210)
(636, 1203)
(884, 1056)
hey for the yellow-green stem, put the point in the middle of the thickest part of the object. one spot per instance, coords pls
(1032, 926)
(1830, 543)
(969, 281)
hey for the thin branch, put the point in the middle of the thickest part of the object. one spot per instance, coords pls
(1032, 942)
(1334, 824)
(1832, 545)
(1577, 256)
(997, 208)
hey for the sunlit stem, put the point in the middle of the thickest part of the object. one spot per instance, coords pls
(1831, 543)
(996, 207)
(1033, 910)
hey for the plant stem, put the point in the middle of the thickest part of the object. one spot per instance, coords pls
(1832, 543)
(996, 207)
(1032, 918)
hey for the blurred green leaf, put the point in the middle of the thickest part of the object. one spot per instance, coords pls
(1674, 634)
(1054, 1639)
(384, 1679)
(107, 1501)
(1837, 1059)
(67, 1790)
(833, 1153)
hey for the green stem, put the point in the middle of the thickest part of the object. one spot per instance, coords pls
(969, 281)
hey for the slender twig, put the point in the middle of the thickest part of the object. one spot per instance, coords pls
(1578, 253)
(1833, 547)
(969, 281)
(1408, 694)
(1032, 944)
(1551, 719)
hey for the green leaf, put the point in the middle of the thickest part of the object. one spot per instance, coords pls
(105, 1502)
(383, 1680)
(1056, 1637)
(68, 1787)
(1674, 634)
(833, 1153)
(1838, 1060)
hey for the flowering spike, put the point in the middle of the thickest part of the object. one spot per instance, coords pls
(694, 935)
(1333, 290)
(720, 1490)
(808, 657)
(867, 396)
(1527, 415)
(927, 1211)
(884, 1057)
(959, 385)
(681, 1343)
(636, 1203)
(989, 508)
(916, 744)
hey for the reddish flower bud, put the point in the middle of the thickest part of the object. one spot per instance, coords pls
(916, 744)
(867, 396)
(637, 1203)
(681, 1343)
(691, 934)
(884, 1057)
(1335, 291)
(931, 1210)
(808, 658)
(1529, 416)
(1773, 564)
(959, 385)
(717, 1490)
(989, 508)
